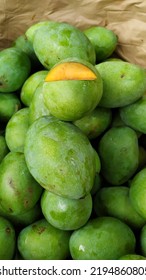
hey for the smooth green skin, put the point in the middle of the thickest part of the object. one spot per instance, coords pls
(95, 123)
(62, 159)
(104, 41)
(42, 241)
(30, 32)
(138, 192)
(37, 107)
(9, 105)
(23, 219)
(142, 241)
(7, 239)
(115, 202)
(103, 238)
(16, 130)
(30, 85)
(132, 257)
(65, 213)
(15, 68)
(24, 45)
(3, 147)
(134, 115)
(19, 191)
(119, 154)
(70, 100)
(57, 41)
(123, 83)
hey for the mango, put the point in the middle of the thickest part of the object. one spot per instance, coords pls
(9, 105)
(95, 123)
(30, 86)
(134, 115)
(114, 201)
(103, 238)
(104, 40)
(4, 150)
(7, 239)
(37, 106)
(15, 68)
(61, 41)
(119, 154)
(72, 89)
(142, 241)
(16, 129)
(138, 192)
(123, 83)
(19, 191)
(42, 241)
(65, 213)
(62, 160)
(132, 257)
(31, 30)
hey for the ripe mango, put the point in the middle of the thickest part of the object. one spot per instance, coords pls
(57, 41)
(72, 89)
(60, 157)
(123, 83)
(119, 154)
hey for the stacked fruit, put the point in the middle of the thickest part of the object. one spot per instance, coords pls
(72, 147)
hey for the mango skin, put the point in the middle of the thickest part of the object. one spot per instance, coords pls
(62, 159)
(138, 192)
(143, 241)
(7, 239)
(42, 241)
(134, 115)
(57, 41)
(37, 106)
(115, 201)
(16, 129)
(9, 105)
(30, 86)
(119, 154)
(103, 238)
(123, 83)
(19, 191)
(104, 41)
(132, 257)
(15, 68)
(65, 213)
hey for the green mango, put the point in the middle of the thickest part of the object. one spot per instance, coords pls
(62, 159)
(65, 213)
(104, 40)
(134, 115)
(61, 41)
(103, 238)
(132, 257)
(19, 191)
(9, 105)
(95, 123)
(16, 129)
(37, 106)
(119, 154)
(30, 86)
(15, 68)
(4, 150)
(7, 239)
(114, 201)
(67, 86)
(42, 241)
(142, 241)
(31, 30)
(137, 192)
(123, 83)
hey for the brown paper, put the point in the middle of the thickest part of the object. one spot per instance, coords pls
(126, 18)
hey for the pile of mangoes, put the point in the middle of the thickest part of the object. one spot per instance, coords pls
(72, 147)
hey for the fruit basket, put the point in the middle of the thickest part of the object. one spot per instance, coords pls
(72, 131)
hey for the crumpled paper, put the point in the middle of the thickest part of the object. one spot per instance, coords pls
(126, 18)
